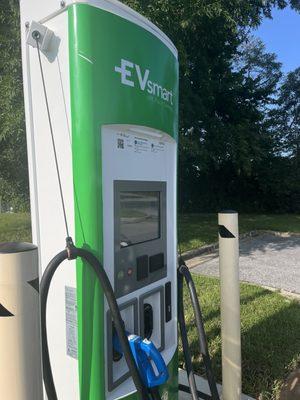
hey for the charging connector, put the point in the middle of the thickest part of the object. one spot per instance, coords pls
(148, 321)
(145, 354)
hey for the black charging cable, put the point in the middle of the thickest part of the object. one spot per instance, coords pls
(70, 253)
(183, 273)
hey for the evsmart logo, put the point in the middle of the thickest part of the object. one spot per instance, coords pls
(128, 69)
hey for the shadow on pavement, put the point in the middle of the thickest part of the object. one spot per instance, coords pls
(267, 242)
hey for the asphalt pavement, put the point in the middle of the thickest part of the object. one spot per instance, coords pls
(266, 260)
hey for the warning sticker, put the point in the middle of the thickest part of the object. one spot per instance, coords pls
(71, 322)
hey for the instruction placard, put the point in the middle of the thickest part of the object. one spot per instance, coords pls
(71, 322)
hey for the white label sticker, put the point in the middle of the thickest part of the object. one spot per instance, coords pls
(71, 322)
(139, 145)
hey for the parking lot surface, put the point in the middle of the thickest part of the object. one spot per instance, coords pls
(266, 260)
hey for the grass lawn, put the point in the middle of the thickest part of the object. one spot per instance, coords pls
(270, 335)
(196, 230)
(15, 227)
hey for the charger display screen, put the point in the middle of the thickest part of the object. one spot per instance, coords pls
(139, 217)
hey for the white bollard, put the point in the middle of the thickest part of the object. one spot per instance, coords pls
(230, 305)
(20, 342)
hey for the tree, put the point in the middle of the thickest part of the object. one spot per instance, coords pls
(261, 71)
(285, 127)
(227, 82)
(13, 155)
(288, 116)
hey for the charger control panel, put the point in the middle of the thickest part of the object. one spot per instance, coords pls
(139, 241)
(140, 234)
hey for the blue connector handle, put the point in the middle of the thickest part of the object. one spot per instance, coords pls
(145, 353)
(155, 356)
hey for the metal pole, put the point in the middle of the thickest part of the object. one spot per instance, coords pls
(230, 304)
(20, 342)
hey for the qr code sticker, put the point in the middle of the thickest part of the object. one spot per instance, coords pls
(120, 143)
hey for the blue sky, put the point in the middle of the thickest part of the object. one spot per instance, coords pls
(281, 35)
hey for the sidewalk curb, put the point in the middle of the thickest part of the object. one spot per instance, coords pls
(283, 292)
(211, 248)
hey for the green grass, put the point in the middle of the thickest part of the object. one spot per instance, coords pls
(196, 230)
(15, 227)
(270, 336)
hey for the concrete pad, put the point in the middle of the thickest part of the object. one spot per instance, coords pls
(202, 385)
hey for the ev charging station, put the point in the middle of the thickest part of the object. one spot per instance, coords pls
(111, 83)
